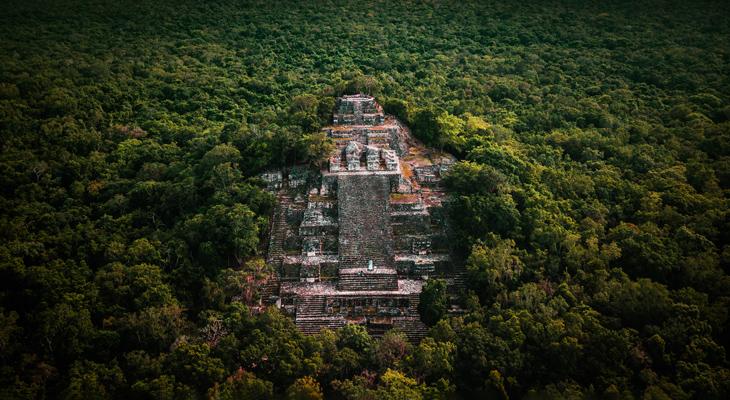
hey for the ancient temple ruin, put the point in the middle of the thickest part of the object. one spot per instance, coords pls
(355, 241)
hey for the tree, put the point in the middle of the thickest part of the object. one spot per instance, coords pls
(220, 154)
(355, 337)
(93, 381)
(242, 385)
(163, 387)
(477, 216)
(152, 328)
(494, 269)
(433, 301)
(245, 283)
(318, 148)
(433, 360)
(193, 364)
(466, 177)
(364, 84)
(451, 129)
(132, 288)
(645, 251)
(397, 107)
(305, 388)
(391, 349)
(324, 109)
(275, 350)
(395, 385)
(480, 352)
(225, 232)
(425, 126)
(637, 303)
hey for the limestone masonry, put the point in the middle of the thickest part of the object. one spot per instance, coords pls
(354, 242)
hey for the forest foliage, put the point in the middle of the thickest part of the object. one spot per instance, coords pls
(589, 205)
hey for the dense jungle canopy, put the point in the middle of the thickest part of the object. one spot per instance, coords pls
(590, 202)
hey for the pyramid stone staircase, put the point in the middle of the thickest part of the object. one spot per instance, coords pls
(414, 329)
(310, 306)
(360, 279)
(364, 220)
(279, 228)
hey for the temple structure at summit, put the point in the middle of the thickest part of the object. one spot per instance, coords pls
(353, 243)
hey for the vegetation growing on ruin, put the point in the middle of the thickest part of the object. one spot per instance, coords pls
(590, 204)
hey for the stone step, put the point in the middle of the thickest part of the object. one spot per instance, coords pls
(313, 326)
(270, 290)
(278, 229)
(457, 282)
(362, 279)
(414, 329)
(365, 232)
(377, 331)
(415, 299)
(310, 306)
